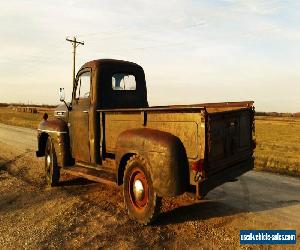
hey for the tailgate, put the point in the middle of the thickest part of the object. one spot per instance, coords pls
(229, 138)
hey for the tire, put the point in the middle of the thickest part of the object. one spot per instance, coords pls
(52, 171)
(142, 203)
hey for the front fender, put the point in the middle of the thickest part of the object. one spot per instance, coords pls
(165, 155)
(57, 129)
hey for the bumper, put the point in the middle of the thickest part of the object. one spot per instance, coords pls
(223, 176)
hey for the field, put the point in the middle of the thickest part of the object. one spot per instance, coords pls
(23, 119)
(278, 139)
(278, 144)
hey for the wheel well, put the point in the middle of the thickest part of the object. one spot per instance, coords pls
(42, 142)
(122, 166)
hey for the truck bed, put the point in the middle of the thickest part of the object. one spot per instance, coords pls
(219, 133)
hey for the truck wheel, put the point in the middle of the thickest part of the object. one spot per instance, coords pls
(140, 199)
(52, 171)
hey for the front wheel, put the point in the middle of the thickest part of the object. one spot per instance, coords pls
(52, 170)
(140, 199)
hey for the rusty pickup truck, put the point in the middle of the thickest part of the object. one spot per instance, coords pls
(111, 135)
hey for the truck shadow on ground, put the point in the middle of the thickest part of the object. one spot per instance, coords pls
(75, 182)
(219, 203)
(199, 211)
(213, 209)
(12, 167)
(7, 165)
(4, 164)
(244, 196)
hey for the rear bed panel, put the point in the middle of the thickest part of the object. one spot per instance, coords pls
(229, 136)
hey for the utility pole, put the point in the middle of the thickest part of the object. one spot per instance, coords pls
(75, 43)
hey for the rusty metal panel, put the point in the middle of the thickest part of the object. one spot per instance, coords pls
(55, 125)
(208, 107)
(164, 154)
(229, 138)
(116, 123)
(186, 126)
(79, 130)
(181, 124)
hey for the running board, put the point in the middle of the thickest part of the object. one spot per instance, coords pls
(92, 174)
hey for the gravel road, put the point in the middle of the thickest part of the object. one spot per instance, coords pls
(84, 214)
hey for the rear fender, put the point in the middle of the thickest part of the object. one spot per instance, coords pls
(165, 156)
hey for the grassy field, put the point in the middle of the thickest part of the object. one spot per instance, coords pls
(278, 139)
(28, 120)
(278, 144)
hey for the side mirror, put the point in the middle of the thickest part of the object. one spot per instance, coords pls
(62, 98)
(62, 94)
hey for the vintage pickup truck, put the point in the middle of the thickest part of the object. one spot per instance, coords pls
(111, 135)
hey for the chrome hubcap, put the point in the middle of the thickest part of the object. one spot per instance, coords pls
(48, 160)
(138, 190)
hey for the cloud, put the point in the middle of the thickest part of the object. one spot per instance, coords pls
(261, 7)
(191, 50)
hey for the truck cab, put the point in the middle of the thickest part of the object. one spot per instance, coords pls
(102, 84)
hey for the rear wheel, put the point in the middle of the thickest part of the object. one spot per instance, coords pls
(52, 171)
(140, 199)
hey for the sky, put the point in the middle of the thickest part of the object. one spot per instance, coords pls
(192, 51)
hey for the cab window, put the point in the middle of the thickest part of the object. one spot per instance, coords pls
(123, 81)
(83, 85)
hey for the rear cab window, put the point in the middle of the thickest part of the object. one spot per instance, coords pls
(123, 82)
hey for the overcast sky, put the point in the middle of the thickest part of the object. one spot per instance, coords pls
(191, 51)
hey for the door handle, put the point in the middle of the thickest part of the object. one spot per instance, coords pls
(85, 111)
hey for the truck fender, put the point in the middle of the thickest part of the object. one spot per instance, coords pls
(57, 129)
(165, 156)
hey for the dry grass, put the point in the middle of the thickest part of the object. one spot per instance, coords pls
(278, 144)
(28, 120)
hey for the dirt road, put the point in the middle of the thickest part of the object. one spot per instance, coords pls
(83, 214)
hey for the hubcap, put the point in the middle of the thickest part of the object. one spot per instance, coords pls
(48, 160)
(138, 190)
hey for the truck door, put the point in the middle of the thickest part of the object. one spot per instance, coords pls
(79, 117)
